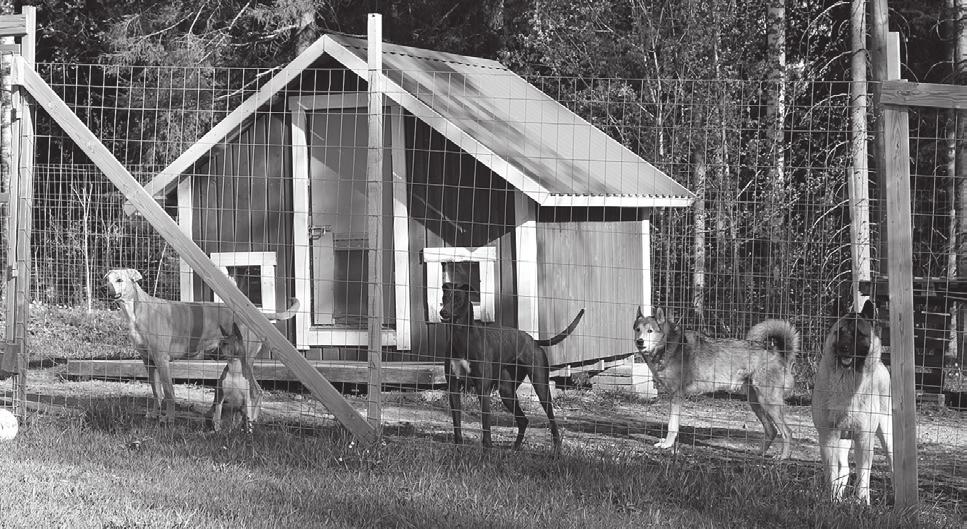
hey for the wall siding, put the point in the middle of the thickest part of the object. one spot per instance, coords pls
(597, 266)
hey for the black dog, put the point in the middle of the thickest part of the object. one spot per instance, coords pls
(494, 356)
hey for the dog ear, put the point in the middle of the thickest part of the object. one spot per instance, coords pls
(640, 315)
(869, 310)
(134, 274)
(660, 315)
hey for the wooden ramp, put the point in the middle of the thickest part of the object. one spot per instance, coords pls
(336, 371)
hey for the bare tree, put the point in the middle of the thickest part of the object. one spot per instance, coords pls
(775, 118)
(859, 174)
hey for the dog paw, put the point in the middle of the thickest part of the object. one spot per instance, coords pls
(664, 443)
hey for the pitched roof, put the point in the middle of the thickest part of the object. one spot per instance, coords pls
(522, 134)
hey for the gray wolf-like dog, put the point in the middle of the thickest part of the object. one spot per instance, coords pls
(689, 363)
(851, 401)
(164, 330)
(233, 389)
(494, 356)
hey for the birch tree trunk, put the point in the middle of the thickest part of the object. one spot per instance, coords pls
(859, 173)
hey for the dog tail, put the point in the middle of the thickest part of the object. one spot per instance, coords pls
(776, 335)
(563, 334)
(285, 315)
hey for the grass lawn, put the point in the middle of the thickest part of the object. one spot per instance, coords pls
(112, 468)
(104, 465)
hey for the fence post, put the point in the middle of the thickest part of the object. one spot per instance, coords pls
(896, 128)
(374, 200)
(19, 160)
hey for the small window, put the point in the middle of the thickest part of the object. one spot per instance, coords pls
(477, 268)
(253, 272)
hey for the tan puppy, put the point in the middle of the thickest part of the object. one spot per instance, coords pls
(852, 402)
(233, 390)
(164, 330)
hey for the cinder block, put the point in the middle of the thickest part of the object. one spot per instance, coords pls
(526, 390)
(634, 378)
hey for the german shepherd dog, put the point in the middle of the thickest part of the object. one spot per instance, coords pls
(688, 363)
(851, 401)
(495, 356)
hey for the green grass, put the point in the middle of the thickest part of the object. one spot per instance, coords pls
(108, 467)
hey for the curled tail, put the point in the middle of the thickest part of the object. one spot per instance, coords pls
(563, 334)
(776, 335)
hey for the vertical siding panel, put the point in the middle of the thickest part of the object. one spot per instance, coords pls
(597, 266)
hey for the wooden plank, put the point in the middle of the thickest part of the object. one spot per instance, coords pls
(646, 271)
(900, 267)
(300, 223)
(16, 25)
(906, 93)
(199, 261)
(24, 129)
(401, 232)
(525, 260)
(374, 206)
(10, 48)
(336, 371)
(185, 221)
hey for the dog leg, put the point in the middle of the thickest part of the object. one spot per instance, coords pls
(767, 425)
(543, 390)
(483, 393)
(217, 409)
(247, 411)
(773, 408)
(834, 452)
(453, 391)
(841, 447)
(508, 395)
(676, 410)
(156, 390)
(248, 371)
(885, 433)
(864, 461)
(164, 372)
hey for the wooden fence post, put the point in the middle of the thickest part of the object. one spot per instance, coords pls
(374, 200)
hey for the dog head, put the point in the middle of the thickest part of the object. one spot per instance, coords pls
(231, 345)
(121, 284)
(855, 339)
(456, 303)
(652, 334)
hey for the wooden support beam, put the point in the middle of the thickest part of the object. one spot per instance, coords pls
(223, 286)
(374, 201)
(526, 264)
(896, 125)
(346, 372)
(905, 93)
(16, 25)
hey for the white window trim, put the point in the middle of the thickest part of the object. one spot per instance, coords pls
(319, 335)
(266, 261)
(485, 256)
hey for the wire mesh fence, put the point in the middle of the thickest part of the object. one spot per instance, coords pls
(543, 196)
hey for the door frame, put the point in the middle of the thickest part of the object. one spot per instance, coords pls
(308, 334)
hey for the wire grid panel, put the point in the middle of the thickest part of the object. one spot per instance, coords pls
(542, 196)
